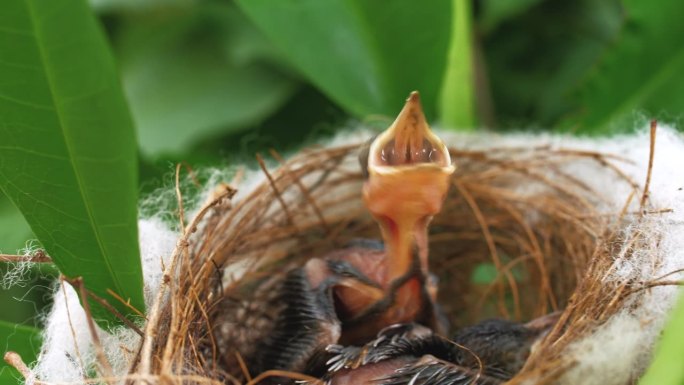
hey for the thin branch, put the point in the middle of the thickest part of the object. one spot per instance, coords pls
(102, 358)
(651, 153)
(489, 240)
(179, 197)
(103, 302)
(286, 374)
(283, 205)
(125, 303)
(14, 360)
(38, 256)
(302, 189)
(71, 328)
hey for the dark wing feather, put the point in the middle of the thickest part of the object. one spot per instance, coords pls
(392, 341)
(303, 329)
(431, 371)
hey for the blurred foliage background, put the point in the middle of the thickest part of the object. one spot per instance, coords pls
(211, 82)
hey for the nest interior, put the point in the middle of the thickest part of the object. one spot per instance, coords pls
(518, 237)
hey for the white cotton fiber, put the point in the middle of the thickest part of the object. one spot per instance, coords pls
(606, 356)
(157, 242)
(66, 342)
(59, 358)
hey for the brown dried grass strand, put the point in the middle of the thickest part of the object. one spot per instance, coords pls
(71, 329)
(651, 154)
(489, 241)
(302, 189)
(99, 351)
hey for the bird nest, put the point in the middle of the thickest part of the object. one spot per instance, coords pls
(520, 235)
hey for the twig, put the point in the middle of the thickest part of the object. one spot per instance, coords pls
(14, 360)
(283, 373)
(102, 358)
(125, 303)
(491, 245)
(303, 190)
(38, 256)
(179, 198)
(71, 328)
(191, 173)
(113, 310)
(651, 153)
(652, 284)
(669, 274)
(243, 366)
(279, 197)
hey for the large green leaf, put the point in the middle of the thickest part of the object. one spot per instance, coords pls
(68, 152)
(641, 73)
(193, 73)
(367, 55)
(20, 339)
(667, 367)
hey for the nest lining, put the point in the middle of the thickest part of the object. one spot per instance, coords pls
(557, 239)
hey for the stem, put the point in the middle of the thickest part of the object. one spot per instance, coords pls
(456, 101)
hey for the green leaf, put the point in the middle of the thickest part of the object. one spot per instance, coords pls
(367, 55)
(667, 368)
(641, 73)
(20, 339)
(196, 73)
(15, 230)
(536, 60)
(457, 99)
(68, 153)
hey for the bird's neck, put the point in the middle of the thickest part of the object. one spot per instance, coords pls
(405, 241)
(403, 202)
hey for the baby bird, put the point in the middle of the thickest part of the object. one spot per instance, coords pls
(488, 353)
(349, 295)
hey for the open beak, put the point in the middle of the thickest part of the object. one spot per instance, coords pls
(408, 177)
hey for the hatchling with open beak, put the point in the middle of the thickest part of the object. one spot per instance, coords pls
(349, 295)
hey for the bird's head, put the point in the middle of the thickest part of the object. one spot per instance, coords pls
(408, 170)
